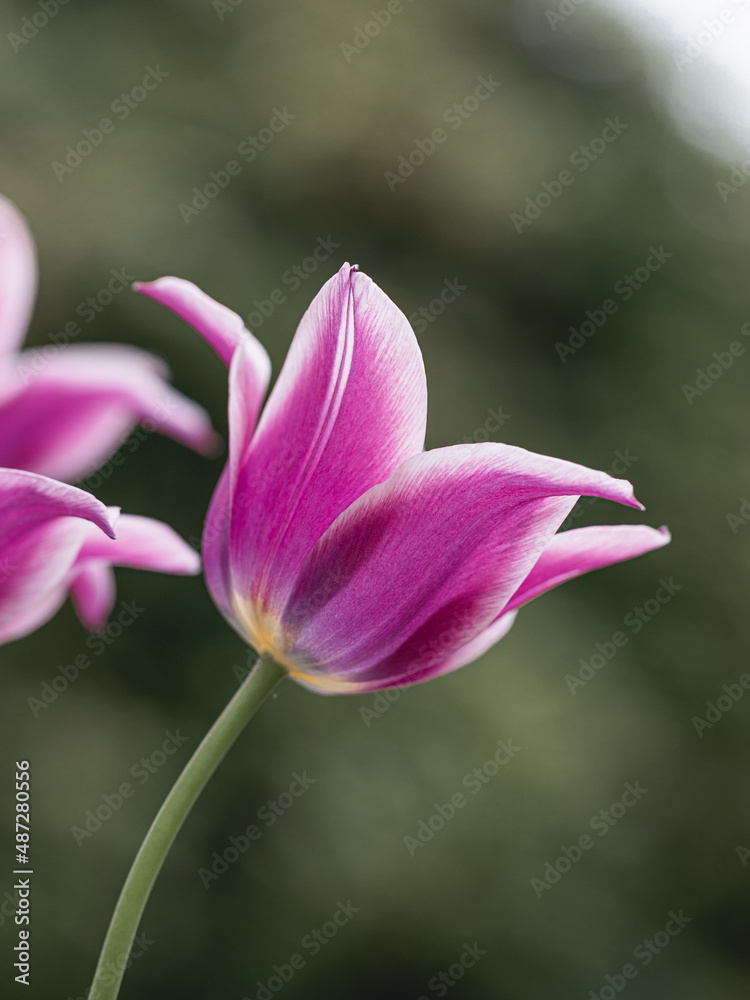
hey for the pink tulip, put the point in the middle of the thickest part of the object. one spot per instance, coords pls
(65, 408)
(335, 544)
(57, 539)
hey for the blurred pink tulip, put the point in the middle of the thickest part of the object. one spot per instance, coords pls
(65, 409)
(56, 539)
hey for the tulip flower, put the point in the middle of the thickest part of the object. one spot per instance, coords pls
(339, 548)
(65, 408)
(56, 539)
(347, 556)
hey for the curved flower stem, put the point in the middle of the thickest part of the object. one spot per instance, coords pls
(122, 929)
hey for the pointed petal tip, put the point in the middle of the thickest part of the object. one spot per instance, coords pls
(149, 288)
(113, 513)
(101, 516)
(629, 498)
(347, 271)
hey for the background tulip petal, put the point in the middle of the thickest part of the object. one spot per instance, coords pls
(419, 566)
(216, 323)
(69, 417)
(18, 277)
(41, 532)
(93, 590)
(571, 553)
(349, 406)
(27, 500)
(142, 543)
(34, 576)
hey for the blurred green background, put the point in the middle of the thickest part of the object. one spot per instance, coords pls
(231, 68)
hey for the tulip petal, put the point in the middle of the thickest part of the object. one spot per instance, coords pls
(224, 331)
(216, 548)
(218, 325)
(349, 406)
(408, 672)
(248, 383)
(93, 590)
(486, 639)
(571, 553)
(27, 500)
(420, 565)
(71, 412)
(18, 277)
(41, 531)
(142, 543)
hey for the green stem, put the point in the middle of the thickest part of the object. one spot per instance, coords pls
(126, 918)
